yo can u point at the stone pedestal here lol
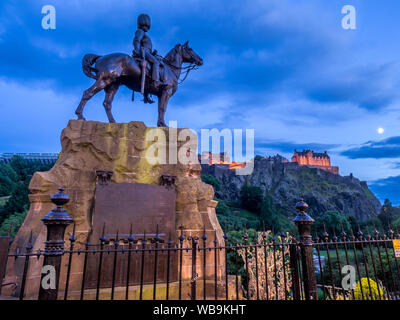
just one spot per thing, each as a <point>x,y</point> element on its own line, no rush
<point>89,146</point>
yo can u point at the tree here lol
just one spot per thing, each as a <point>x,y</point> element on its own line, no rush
<point>14,181</point>
<point>8,178</point>
<point>269,214</point>
<point>388,214</point>
<point>209,179</point>
<point>332,220</point>
<point>18,202</point>
<point>14,221</point>
<point>251,198</point>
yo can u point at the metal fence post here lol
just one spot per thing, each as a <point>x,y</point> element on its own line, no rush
<point>194,272</point>
<point>294,270</point>
<point>56,221</point>
<point>303,222</point>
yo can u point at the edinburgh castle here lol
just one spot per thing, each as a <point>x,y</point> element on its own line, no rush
<point>315,160</point>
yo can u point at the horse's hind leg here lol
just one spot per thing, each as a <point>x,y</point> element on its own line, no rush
<point>110,90</point>
<point>89,93</point>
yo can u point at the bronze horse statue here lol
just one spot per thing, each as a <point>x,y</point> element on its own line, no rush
<point>112,70</point>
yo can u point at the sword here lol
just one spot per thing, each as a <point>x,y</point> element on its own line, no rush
<point>144,65</point>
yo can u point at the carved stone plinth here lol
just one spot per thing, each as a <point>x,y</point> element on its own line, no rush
<point>95,152</point>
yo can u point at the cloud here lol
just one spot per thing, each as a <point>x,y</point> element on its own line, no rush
<point>286,69</point>
<point>289,147</point>
<point>368,86</point>
<point>387,148</point>
<point>388,188</point>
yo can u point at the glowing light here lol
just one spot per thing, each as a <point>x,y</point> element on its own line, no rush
<point>380,130</point>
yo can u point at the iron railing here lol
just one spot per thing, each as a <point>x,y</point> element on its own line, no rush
<point>202,266</point>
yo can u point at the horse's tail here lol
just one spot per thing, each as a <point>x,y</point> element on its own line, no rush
<point>87,62</point>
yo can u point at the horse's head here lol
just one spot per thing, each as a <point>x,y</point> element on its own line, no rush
<point>189,56</point>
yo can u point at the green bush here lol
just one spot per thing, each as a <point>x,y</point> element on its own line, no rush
<point>14,181</point>
<point>333,220</point>
<point>209,179</point>
<point>8,179</point>
<point>251,198</point>
<point>14,221</point>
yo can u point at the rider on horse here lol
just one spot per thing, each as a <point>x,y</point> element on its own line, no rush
<point>143,50</point>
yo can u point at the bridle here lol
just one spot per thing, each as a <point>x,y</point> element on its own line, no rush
<point>190,67</point>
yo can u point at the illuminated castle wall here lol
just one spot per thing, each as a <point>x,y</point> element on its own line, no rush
<point>314,159</point>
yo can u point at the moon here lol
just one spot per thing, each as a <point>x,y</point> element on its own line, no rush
<point>380,130</point>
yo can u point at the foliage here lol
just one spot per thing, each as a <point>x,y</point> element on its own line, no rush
<point>396,224</point>
<point>209,179</point>
<point>14,181</point>
<point>332,220</point>
<point>276,282</point>
<point>388,214</point>
<point>369,262</point>
<point>234,262</point>
<point>270,213</point>
<point>251,198</point>
<point>258,157</point>
<point>8,178</point>
<point>236,218</point>
<point>18,202</point>
<point>368,289</point>
<point>14,221</point>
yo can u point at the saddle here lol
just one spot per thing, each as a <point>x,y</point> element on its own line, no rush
<point>149,67</point>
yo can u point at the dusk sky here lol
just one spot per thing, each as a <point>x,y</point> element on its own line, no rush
<point>285,68</point>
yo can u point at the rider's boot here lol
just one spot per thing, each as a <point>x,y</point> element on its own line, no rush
<point>147,99</point>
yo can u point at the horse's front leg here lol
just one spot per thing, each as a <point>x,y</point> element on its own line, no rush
<point>162,107</point>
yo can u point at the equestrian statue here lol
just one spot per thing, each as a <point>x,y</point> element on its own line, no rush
<point>145,71</point>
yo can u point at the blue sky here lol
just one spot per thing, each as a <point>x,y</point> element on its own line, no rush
<point>285,68</point>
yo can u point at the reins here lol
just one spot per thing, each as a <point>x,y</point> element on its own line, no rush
<point>188,68</point>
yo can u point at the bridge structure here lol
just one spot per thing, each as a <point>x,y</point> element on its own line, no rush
<point>44,158</point>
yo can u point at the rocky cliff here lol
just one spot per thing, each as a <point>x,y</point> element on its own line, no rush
<point>287,182</point>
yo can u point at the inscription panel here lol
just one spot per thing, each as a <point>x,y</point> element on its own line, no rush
<point>144,206</point>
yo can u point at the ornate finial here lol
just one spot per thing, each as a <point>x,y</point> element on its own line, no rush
<point>301,206</point>
<point>60,198</point>
<point>58,214</point>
